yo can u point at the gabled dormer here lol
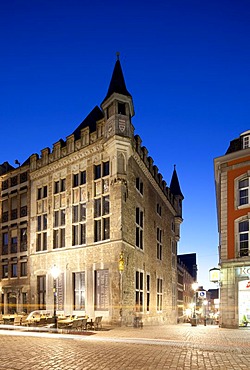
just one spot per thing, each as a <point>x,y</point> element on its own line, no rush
<point>118,105</point>
<point>242,142</point>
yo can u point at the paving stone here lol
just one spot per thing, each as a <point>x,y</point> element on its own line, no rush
<point>161,347</point>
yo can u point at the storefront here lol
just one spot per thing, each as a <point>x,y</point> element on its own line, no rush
<point>243,275</point>
<point>244,302</point>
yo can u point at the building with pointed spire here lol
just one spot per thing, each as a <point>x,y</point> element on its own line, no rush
<point>100,211</point>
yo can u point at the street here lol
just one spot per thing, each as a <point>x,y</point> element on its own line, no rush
<point>158,347</point>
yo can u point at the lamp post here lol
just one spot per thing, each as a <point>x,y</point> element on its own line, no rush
<point>205,302</point>
<point>55,272</point>
<point>194,321</point>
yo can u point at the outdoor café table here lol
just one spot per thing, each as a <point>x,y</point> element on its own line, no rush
<point>8,319</point>
<point>90,323</point>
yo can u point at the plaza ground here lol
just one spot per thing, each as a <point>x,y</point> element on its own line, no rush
<point>156,347</point>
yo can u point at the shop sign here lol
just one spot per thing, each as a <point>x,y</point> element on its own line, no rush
<point>202,294</point>
<point>245,270</point>
<point>214,275</point>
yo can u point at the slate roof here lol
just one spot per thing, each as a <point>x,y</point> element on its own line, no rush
<point>234,146</point>
<point>174,185</point>
<point>5,167</point>
<point>117,83</point>
<point>90,121</point>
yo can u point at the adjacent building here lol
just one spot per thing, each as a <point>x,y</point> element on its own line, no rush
<point>99,210</point>
<point>14,211</point>
<point>232,172</point>
<point>187,275</point>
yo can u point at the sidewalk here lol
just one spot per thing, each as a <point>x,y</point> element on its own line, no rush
<point>210,337</point>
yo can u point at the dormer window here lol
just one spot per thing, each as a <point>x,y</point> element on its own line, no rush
<point>246,142</point>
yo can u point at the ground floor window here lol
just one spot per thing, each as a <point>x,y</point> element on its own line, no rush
<point>159,294</point>
<point>244,302</point>
<point>41,292</point>
<point>79,290</point>
<point>139,291</point>
<point>101,290</point>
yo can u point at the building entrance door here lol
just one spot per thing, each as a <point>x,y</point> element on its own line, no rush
<point>12,303</point>
<point>244,302</point>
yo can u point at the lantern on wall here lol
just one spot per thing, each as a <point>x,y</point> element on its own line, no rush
<point>121,263</point>
<point>214,275</point>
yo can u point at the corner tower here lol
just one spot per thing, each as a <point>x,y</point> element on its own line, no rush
<point>118,106</point>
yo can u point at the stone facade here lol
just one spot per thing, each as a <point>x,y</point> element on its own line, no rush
<point>101,212</point>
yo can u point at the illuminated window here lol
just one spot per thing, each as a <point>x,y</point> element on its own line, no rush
<point>79,290</point>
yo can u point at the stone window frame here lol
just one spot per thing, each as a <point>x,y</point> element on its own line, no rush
<point>102,206</point>
<point>139,290</point>
<point>139,228</point>
<point>79,202</point>
<point>159,293</point>
<point>59,228</point>
<point>238,233</point>
<point>237,189</point>
<point>139,185</point>
<point>148,291</point>
<point>79,224</point>
<point>41,232</point>
<point>159,248</point>
<point>245,141</point>
<point>80,290</point>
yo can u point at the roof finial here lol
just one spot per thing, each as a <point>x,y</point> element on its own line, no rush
<point>174,166</point>
<point>117,55</point>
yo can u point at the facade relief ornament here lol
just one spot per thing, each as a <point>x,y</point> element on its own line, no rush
<point>122,125</point>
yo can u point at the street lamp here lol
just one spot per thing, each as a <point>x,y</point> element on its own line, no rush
<point>55,272</point>
<point>205,302</point>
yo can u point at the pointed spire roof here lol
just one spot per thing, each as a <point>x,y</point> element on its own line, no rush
<point>117,83</point>
<point>174,185</point>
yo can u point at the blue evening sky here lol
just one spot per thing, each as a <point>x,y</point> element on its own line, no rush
<point>185,62</point>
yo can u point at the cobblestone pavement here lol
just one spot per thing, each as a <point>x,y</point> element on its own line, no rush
<point>159,347</point>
